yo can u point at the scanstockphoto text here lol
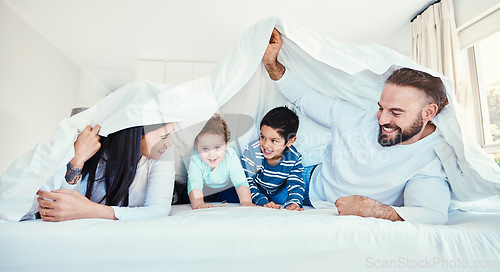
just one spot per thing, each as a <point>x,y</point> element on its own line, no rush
<point>431,263</point>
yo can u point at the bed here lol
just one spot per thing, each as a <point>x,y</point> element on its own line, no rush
<point>233,238</point>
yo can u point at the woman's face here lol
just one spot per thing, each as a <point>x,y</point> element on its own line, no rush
<point>155,142</point>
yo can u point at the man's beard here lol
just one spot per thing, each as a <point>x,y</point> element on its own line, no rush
<point>413,130</point>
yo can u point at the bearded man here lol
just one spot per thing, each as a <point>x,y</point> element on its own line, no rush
<point>380,163</point>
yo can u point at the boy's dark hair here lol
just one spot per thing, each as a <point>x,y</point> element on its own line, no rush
<point>284,120</point>
<point>433,87</point>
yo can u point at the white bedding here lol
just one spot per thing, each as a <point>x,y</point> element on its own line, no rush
<point>234,238</point>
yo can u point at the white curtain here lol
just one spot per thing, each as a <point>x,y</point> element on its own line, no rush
<point>435,43</point>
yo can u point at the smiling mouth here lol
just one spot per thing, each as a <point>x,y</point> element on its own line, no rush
<point>161,151</point>
<point>389,130</point>
<point>267,152</point>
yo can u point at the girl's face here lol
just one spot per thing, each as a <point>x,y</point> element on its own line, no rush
<point>211,148</point>
<point>155,142</point>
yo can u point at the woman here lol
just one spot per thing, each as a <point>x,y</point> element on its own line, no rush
<point>119,176</point>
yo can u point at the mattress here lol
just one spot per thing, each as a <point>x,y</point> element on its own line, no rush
<point>234,238</point>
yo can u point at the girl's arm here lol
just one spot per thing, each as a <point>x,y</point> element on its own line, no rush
<point>196,199</point>
<point>238,178</point>
<point>244,196</point>
<point>195,183</point>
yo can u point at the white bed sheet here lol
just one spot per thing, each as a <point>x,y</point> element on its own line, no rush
<point>234,238</point>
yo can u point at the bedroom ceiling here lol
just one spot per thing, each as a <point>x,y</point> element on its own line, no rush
<point>105,37</point>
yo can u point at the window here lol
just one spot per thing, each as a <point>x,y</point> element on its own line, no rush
<point>487,57</point>
<point>484,63</point>
<point>483,57</point>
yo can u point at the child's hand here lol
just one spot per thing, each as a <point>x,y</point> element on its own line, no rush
<point>294,207</point>
<point>247,203</point>
<point>272,205</point>
<point>204,206</point>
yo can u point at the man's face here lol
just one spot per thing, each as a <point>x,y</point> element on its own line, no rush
<point>400,115</point>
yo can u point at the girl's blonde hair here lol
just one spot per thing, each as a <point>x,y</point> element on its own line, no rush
<point>216,126</point>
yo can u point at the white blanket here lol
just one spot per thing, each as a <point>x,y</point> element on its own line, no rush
<point>234,238</point>
<point>355,73</point>
<point>240,85</point>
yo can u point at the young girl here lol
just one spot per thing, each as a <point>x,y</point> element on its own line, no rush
<point>213,164</point>
<point>119,176</point>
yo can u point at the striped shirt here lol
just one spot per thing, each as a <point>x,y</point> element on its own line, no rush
<point>265,180</point>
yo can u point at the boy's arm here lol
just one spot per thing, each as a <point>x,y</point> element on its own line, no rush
<point>248,161</point>
<point>295,185</point>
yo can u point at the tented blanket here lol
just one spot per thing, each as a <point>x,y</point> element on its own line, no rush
<point>239,85</point>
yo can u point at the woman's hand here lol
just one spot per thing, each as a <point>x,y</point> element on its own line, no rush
<point>86,145</point>
<point>64,204</point>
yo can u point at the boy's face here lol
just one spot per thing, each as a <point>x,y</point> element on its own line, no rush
<point>272,143</point>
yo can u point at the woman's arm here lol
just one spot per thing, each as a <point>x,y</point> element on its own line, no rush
<point>159,192</point>
<point>86,145</point>
<point>65,204</point>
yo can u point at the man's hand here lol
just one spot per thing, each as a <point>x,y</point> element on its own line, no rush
<point>365,207</point>
<point>294,207</point>
<point>270,59</point>
<point>272,205</point>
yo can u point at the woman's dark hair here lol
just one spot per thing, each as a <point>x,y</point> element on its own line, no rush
<point>284,120</point>
<point>119,154</point>
<point>216,126</point>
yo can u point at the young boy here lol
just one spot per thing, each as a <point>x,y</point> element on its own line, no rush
<point>273,166</point>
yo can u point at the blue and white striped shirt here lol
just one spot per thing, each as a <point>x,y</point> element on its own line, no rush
<point>265,180</point>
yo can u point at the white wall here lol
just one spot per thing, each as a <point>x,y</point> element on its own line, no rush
<point>38,87</point>
<point>467,11</point>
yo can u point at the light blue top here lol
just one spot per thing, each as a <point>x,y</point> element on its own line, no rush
<point>229,169</point>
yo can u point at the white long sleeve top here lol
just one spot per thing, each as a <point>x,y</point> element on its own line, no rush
<point>410,178</point>
<point>150,194</point>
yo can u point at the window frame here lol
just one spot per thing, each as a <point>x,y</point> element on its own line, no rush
<point>478,94</point>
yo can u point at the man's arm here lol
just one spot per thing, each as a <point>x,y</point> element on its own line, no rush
<point>275,69</point>
<point>426,201</point>
<point>314,105</point>
<point>365,207</point>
